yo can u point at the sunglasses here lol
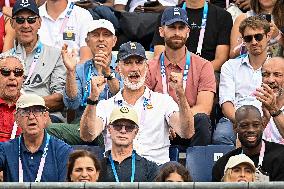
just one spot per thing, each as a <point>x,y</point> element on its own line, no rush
<point>128,128</point>
<point>30,19</point>
<point>7,72</point>
<point>258,37</point>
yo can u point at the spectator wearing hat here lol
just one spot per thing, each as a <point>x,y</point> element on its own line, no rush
<point>122,163</point>
<point>35,156</point>
<point>239,168</point>
<point>11,79</point>
<point>45,72</point>
<point>63,22</point>
<point>156,111</point>
<point>197,73</point>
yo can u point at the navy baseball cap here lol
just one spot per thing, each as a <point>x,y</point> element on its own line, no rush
<point>25,5</point>
<point>130,49</point>
<point>174,14</point>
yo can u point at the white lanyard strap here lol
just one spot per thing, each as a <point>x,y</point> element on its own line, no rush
<point>164,76</point>
<point>7,3</point>
<point>202,30</point>
<point>227,3</point>
<point>41,164</point>
<point>14,131</point>
<point>34,63</point>
<point>66,18</point>
<point>261,154</point>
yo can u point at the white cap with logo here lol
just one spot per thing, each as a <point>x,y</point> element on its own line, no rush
<point>124,113</point>
<point>101,23</point>
<point>28,100</point>
<point>238,159</point>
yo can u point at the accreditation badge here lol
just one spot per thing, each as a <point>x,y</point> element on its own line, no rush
<point>261,176</point>
<point>69,35</point>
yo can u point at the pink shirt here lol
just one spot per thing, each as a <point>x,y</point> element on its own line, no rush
<point>200,77</point>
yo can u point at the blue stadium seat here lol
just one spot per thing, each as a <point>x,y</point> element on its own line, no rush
<point>174,153</point>
<point>200,160</point>
<point>97,150</point>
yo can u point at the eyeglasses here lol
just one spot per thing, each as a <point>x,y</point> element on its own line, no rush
<point>30,19</point>
<point>7,72</point>
<point>37,111</point>
<point>131,62</point>
<point>128,128</point>
<point>258,37</point>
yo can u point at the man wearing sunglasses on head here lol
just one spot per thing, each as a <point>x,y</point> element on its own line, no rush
<point>241,77</point>
<point>35,156</point>
<point>11,80</point>
<point>45,72</point>
<point>122,163</point>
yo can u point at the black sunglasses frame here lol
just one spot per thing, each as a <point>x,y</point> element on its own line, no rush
<point>6,72</point>
<point>30,19</point>
<point>258,37</point>
<point>128,128</point>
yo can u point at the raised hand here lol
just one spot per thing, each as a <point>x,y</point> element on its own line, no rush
<point>175,81</point>
<point>97,86</point>
<point>102,59</point>
<point>69,59</point>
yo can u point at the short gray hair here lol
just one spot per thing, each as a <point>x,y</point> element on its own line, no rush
<point>11,54</point>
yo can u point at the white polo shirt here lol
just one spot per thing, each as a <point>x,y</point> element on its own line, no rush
<point>152,140</point>
<point>74,32</point>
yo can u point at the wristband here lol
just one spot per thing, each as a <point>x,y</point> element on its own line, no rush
<point>91,102</point>
<point>277,113</point>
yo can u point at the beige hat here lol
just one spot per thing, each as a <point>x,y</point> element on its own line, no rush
<point>28,100</point>
<point>101,23</point>
<point>124,113</point>
<point>238,159</point>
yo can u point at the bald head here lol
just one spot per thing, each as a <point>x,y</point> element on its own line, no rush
<point>246,110</point>
<point>273,74</point>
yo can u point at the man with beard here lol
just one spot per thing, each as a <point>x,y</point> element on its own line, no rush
<point>241,76</point>
<point>198,75</point>
<point>156,111</point>
<point>268,157</point>
<point>272,99</point>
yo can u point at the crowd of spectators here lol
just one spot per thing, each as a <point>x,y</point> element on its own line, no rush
<point>71,74</point>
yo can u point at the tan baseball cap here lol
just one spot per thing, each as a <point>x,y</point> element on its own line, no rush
<point>238,159</point>
<point>28,100</point>
<point>124,113</point>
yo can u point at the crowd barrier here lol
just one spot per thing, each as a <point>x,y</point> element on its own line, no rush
<point>153,185</point>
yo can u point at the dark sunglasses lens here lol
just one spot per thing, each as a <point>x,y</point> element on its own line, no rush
<point>20,20</point>
<point>18,72</point>
<point>117,127</point>
<point>258,37</point>
<point>248,38</point>
<point>129,128</point>
<point>5,72</point>
<point>31,20</point>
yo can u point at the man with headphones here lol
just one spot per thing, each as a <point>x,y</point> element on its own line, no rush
<point>197,73</point>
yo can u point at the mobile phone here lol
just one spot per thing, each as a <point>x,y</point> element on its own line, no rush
<point>151,3</point>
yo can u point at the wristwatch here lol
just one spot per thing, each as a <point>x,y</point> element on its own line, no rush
<point>110,76</point>
<point>91,102</point>
<point>277,113</point>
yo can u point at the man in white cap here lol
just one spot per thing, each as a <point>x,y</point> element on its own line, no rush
<point>239,168</point>
<point>35,156</point>
<point>122,163</point>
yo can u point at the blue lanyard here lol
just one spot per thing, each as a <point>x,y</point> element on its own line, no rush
<point>132,166</point>
<point>87,88</point>
<point>205,13</point>
<point>163,71</point>
<point>41,164</point>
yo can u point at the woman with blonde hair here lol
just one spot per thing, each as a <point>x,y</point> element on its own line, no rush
<point>239,168</point>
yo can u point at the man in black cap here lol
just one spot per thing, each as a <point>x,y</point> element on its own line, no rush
<point>156,111</point>
<point>44,69</point>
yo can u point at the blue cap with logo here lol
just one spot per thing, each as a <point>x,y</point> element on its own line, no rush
<point>174,14</point>
<point>130,49</point>
<point>25,5</point>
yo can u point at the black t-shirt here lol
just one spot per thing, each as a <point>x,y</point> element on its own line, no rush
<point>273,162</point>
<point>222,3</point>
<point>217,32</point>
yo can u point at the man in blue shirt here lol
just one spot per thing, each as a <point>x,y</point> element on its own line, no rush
<point>35,156</point>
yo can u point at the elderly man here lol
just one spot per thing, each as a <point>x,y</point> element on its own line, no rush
<point>241,76</point>
<point>198,74</point>
<point>270,94</point>
<point>44,69</point>
<point>35,156</point>
<point>267,156</point>
<point>122,163</point>
<point>11,79</point>
<point>156,111</point>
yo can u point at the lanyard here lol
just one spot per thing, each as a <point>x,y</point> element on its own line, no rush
<point>203,26</point>
<point>35,61</point>
<point>66,18</point>
<point>227,3</point>
<point>41,164</point>
<point>163,72</point>
<point>7,3</point>
<point>14,131</point>
<point>87,88</point>
<point>132,166</point>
